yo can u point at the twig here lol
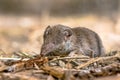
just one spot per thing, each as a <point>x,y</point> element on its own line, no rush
<point>93,60</point>
<point>26,55</point>
<point>28,64</point>
<point>56,72</point>
<point>5,59</point>
<point>82,58</point>
<point>103,71</point>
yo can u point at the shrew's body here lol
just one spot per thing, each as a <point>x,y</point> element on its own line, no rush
<point>62,40</point>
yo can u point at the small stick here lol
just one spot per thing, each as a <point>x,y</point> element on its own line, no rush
<point>93,60</point>
<point>26,55</point>
<point>56,72</point>
<point>82,58</point>
<point>13,59</point>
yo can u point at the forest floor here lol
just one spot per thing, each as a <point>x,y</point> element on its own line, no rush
<point>24,42</point>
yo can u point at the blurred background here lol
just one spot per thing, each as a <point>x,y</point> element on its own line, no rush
<point>22,22</point>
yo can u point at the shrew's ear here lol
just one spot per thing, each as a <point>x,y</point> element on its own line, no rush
<point>68,33</point>
<point>47,30</point>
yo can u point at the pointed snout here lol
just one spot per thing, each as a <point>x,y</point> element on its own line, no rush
<point>46,49</point>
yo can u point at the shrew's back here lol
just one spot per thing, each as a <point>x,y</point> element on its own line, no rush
<point>89,41</point>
